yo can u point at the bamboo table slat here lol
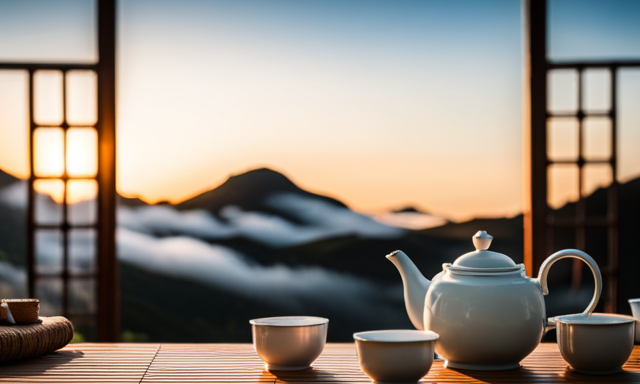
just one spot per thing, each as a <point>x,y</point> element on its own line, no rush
<point>238,363</point>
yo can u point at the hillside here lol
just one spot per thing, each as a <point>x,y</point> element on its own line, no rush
<point>6,179</point>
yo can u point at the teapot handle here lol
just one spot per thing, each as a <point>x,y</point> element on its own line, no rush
<point>544,271</point>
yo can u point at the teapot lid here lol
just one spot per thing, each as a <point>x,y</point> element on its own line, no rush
<point>481,257</point>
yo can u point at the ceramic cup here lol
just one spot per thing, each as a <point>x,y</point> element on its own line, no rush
<point>21,311</point>
<point>635,310</point>
<point>289,343</point>
<point>395,356</point>
<point>599,343</point>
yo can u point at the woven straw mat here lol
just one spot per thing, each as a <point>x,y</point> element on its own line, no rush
<point>31,340</point>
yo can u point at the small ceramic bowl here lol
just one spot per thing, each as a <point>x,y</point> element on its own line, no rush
<point>599,343</point>
<point>395,356</point>
<point>635,311</point>
<point>24,311</point>
<point>289,343</point>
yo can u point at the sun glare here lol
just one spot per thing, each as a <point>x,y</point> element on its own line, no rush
<point>81,152</point>
<point>81,161</point>
<point>81,190</point>
<point>48,145</point>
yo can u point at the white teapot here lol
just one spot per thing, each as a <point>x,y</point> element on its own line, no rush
<point>488,313</point>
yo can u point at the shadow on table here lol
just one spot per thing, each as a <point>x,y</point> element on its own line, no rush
<point>311,374</point>
<point>621,377</point>
<point>37,365</point>
<point>513,375</point>
<point>526,375</point>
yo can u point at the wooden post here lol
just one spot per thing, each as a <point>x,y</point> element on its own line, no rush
<point>534,115</point>
<point>108,322</point>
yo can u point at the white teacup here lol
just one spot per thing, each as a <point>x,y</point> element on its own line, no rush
<point>599,343</point>
<point>289,343</point>
<point>635,310</point>
<point>395,356</point>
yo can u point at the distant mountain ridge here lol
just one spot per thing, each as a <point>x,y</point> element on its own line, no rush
<point>6,179</point>
<point>249,191</point>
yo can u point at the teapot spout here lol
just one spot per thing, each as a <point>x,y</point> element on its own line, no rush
<point>415,287</point>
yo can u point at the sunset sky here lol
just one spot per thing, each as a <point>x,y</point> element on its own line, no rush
<point>381,104</point>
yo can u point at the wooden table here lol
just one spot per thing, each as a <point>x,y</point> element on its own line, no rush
<point>238,363</point>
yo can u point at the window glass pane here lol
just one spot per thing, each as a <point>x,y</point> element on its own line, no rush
<point>47,98</point>
<point>48,249</point>
<point>48,210</point>
<point>563,90</point>
<point>595,176</point>
<point>597,246</point>
<point>49,291</point>
<point>628,124</point>
<point>81,197</point>
<point>82,152</point>
<point>48,146</point>
<point>563,238</point>
<point>597,138</point>
<point>82,296</point>
<point>82,250</point>
<point>82,98</point>
<point>562,185</point>
<point>562,139</point>
<point>596,95</point>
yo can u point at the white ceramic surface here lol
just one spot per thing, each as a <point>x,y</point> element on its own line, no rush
<point>395,356</point>
<point>488,313</point>
<point>599,343</point>
<point>635,310</point>
<point>289,343</point>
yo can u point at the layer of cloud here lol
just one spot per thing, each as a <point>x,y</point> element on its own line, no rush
<point>166,241</point>
<point>330,218</point>
<point>14,195</point>
<point>166,221</point>
<point>410,220</point>
<point>213,265</point>
<point>320,220</point>
<point>226,269</point>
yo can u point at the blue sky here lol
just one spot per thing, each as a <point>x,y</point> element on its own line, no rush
<point>593,29</point>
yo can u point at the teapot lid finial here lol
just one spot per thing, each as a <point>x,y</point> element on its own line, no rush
<point>482,240</point>
<point>482,258</point>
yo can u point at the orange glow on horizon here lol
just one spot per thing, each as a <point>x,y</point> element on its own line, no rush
<point>77,190</point>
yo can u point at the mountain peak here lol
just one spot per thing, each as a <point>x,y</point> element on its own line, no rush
<point>263,178</point>
<point>248,191</point>
<point>408,209</point>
